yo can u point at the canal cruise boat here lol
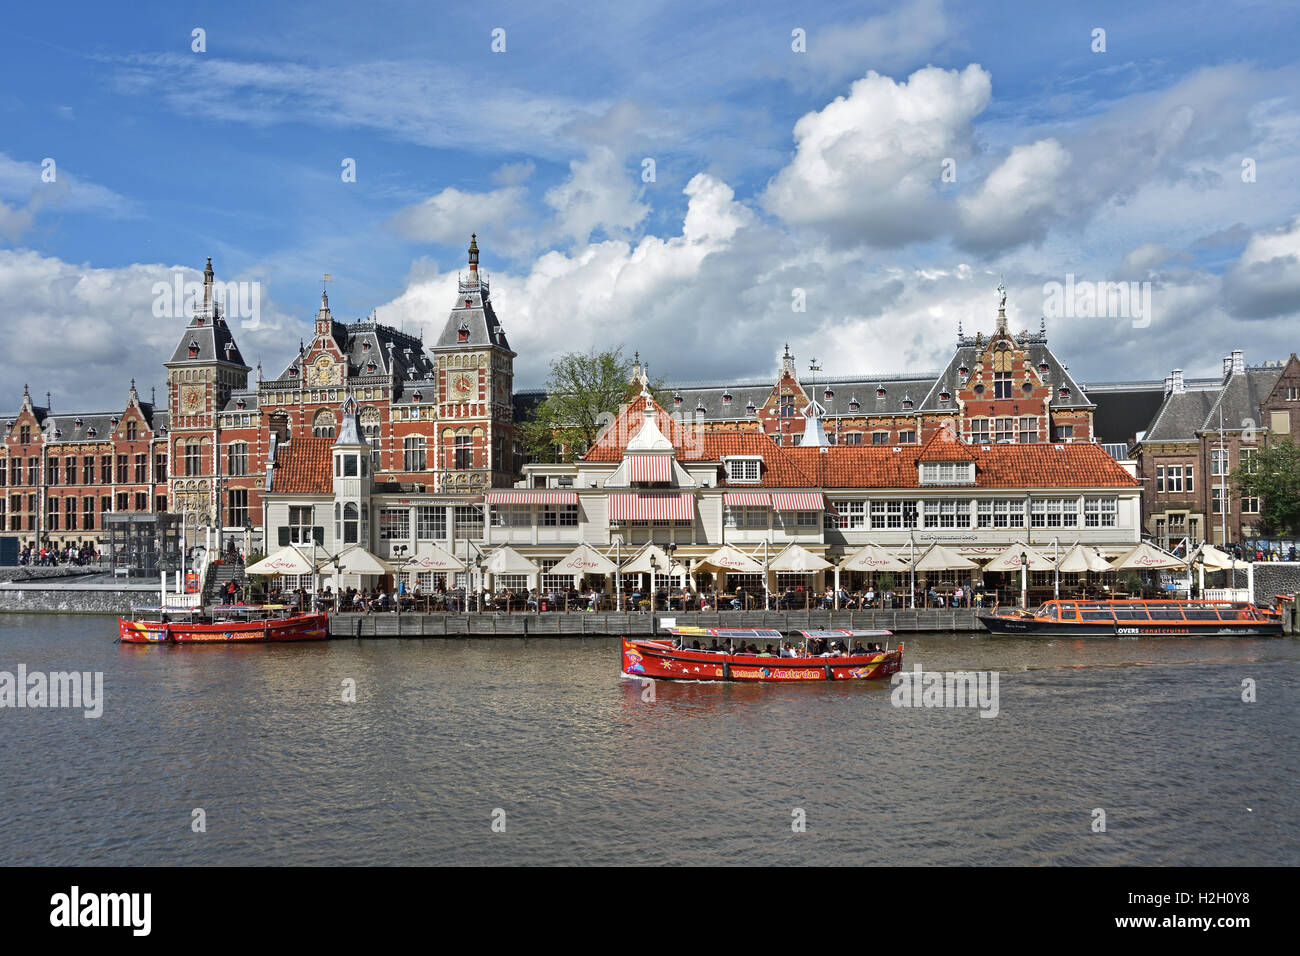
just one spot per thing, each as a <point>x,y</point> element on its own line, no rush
<point>227,624</point>
<point>676,659</point>
<point>1064,618</point>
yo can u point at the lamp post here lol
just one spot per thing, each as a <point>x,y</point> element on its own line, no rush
<point>654,563</point>
<point>911,560</point>
<point>1056,562</point>
<point>671,549</point>
<point>1024,580</point>
<point>400,550</point>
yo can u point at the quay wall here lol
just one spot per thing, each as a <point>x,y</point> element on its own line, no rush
<point>38,598</point>
<point>1273,578</point>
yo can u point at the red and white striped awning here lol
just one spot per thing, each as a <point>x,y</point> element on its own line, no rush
<point>747,499</point>
<point>532,497</point>
<point>798,501</point>
<point>651,507</point>
<point>649,468</point>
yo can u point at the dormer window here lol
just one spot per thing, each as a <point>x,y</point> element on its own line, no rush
<point>742,470</point>
<point>944,396</point>
<point>115,420</point>
<point>751,408</point>
<point>240,404</point>
<point>194,349</point>
<point>462,334</point>
<point>726,398</point>
<point>293,373</point>
<point>58,433</point>
<point>371,366</point>
<point>700,409</point>
<point>907,403</point>
<point>1064,392</point>
<point>880,391</point>
<point>365,346</point>
<point>947,473</point>
<point>854,404</point>
<point>1044,368</point>
<point>469,303</point>
<point>963,370</point>
<point>828,394</point>
<point>677,399</point>
<point>199,320</point>
<point>90,432</point>
<point>78,423</point>
<point>418,396</point>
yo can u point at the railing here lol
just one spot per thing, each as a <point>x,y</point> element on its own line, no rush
<point>1226,594</point>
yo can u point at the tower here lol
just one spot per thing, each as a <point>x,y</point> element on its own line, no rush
<point>475,379</point>
<point>352,479</point>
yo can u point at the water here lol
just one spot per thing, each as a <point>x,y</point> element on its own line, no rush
<point>444,732</point>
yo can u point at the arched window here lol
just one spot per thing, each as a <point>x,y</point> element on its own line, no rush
<point>464,451</point>
<point>323,424</point>
<point>370,423</point>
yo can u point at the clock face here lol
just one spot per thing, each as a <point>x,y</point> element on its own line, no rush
<point>462,385</point>
<point>192,398</point>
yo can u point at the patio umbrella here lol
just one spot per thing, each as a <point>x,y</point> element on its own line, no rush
<point>506,560</point>
<point>288,560</point>
<point>584,559</point>
<point>640,562</point>
<point>872,557</point>
<point>1009,559</point>
<point>727,558</point>
<point>356,560</point>
<point>1147,557</point>
<point>798,560</point>
<point>1215,559</point>
<point>939,558</point>
<point>1080,559</point>
<point>430,557</point>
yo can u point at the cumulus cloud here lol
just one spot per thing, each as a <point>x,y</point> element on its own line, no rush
<point>1265,281</point>
<point>1017,201</point>
<point>600,195</point>
<point>27,191</point>
<point>451,215</point>
<point>867,166</point>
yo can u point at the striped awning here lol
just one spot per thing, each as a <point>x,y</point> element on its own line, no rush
<point>747,499</point>
<point>649,468</point>
<point>530,496</point>
<point>798,501</point>
<point>651,507</point>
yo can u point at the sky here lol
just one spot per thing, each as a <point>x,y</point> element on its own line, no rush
<point>701,183</point>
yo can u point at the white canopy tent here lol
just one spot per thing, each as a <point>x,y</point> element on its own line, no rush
<point>584,559</point>
<point>872,557</point>
<point>1080,559</point>
<point>796,559</point>
<point>288,560</point>
<point>506,560</point>
<point>1009,559</point>
<point>1147,557</point>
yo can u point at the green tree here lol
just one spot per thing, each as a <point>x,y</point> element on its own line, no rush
<point>1273,476</point>
<point>582,389</point>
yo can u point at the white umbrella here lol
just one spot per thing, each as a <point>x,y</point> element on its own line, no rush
<point>1080,559</point>
<point>1214,559</point>
<point>584,559</point>
<point>939,558</point>
<point>640,562</point>
<point>356,560</point>
<point>1147,557</point>
<point>431,557</point>
<point>506,560</point>
<point>798,560</point>
<point>727,558</point>
<point>1009,559</point>
<point>288,560</point>
<point>872,557</point>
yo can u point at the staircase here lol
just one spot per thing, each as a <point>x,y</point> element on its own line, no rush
<point>218,576</point>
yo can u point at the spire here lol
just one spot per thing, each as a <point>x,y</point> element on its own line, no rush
<point>350,431</point>
<point>134,395</point>
<point>473,252</point>
<point>1002,306</point>
<point>207,285</point>
<point>787,362</point>
<point>814,432</point>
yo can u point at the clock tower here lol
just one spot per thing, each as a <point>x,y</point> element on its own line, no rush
<point>205,368</point>
<point>475,376</point>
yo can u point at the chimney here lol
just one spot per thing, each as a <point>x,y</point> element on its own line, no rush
<point>1227,365</point>
<point>1238,360</point>
<point>1176,382</point>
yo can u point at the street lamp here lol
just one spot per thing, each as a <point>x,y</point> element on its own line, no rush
<point>671,549</point>
<point>403,560</point>
<point>654,564</point>
<point>1024,580</point>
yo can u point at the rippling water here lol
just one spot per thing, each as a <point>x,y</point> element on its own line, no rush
<point>444,732</point>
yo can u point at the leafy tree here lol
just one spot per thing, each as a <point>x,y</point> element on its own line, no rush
<point>1273,476</point>
<point>582,389</point>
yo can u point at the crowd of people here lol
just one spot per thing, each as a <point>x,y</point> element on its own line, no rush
<point>53,557</point>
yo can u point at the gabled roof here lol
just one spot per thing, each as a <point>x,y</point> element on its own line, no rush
<point>945,445</point>
<point>1057,375</point>
<point>1240,399</point>
<point>302,467</point>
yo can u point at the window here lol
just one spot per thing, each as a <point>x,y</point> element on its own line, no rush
<point>160,467</point>
<point>979,431</point>
<point>468,522</point>
<point>1100,512</point>
<point>141,501</point>
<point>1029,430</point>
<point>52,514</point>
<point>1218,462</point>
<point>24,434</point>
<point>880,438</point>
<point>743,517</point>
<point>1054,513</point>
<point>1063,432</point>
<point>160,503</point>
<point>70,469</point>
<point>33,470</point>
<point>464,454</point>
<point>907,437</point>
<point>852,515</point>
<point>323,424</point>
<point>88,513</point>
<point>300,525</point>
<point>430,522</point>
<point>948,473</point>
<point>4,465</point>
<point>787,405</point>
<point>562,516</point>
<point>106,470</point>
<point>1002,429</point>
<point>853,438</point>
<point>237,507</point>
<point>394,524</point>
<point>88,470</point>
<point>237,459</point>
<point>1000,513</point>
<point>413,453</point>
<point>1292,393</point>
<point>123,470</point>
<point>1248,463</point>
<point>130,431</point>
<point>742,469</point>
<point>947,514</point>
<point>1174,479</point>
<point>1250,506</point>
<point>52,471</point>
<point>141,469</point>
<point>512,516</point>
<point>193,459</point>
<point>1001,384</point>
<point>70,513</point>
<point>1217,500</point>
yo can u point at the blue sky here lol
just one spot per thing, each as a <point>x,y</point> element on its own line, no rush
<point>775,170</point>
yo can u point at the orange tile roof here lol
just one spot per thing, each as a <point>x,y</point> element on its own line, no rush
<point>945,445</point>
<point>302,467</point>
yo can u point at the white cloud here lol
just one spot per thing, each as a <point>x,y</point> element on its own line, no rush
<point>1016,200</point>
<point>1265,281</point>
<point>23,184</point>
<point>867,166</point>
<point>451,215</point>
<point>599,195</point>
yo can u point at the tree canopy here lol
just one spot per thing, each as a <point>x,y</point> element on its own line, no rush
<point>1272,475</point>
<point>582,389</point>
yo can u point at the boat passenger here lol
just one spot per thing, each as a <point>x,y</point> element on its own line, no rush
<point>858,648</point>
<point>787,651</point>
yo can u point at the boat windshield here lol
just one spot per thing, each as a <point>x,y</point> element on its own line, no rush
<point>1047,611</point>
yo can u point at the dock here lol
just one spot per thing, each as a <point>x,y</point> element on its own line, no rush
<point>614,624</point>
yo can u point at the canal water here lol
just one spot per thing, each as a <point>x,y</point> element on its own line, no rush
<point>507,751</point>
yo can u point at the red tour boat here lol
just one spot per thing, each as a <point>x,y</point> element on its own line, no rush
<point>675,659</point>
<point>229,624</point>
